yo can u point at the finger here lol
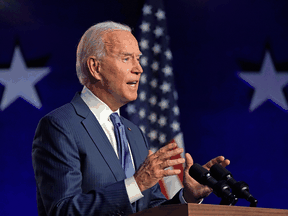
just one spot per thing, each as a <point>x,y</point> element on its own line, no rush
<point>225,163</point>
<point>174,162</point>
<point>189,161</point>
<point>166,148</point>
<point>218,159</point>
<point>167,155</point>
<point>170,172</point>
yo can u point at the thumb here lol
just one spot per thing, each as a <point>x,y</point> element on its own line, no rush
<point>188,161</point>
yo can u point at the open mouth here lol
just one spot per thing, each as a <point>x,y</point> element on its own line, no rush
<point>133,83</point>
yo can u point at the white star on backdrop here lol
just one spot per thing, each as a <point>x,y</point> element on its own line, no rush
<point>268,84</point>
<point>20,81</point>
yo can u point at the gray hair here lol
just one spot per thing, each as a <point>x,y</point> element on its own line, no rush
<point>91,43</point>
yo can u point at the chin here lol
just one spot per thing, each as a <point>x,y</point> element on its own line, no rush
<point>131,98</point>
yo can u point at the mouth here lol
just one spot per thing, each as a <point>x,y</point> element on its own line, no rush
<point>132,83</point>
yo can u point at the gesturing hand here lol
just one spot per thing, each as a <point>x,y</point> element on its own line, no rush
<point>193,191</point>
<point>152,170</point>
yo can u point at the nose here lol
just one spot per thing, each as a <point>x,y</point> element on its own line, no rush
<point>137,69</point>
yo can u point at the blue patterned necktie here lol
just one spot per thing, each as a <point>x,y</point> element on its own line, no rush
<point>122,145</point>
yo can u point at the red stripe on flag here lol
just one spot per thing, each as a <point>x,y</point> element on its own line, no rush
<point>163,188</point>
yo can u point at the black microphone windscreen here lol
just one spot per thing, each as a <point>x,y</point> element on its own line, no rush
<point>198,173</point>
<point>219,172</point>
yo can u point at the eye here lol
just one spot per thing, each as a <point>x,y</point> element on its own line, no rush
<point>126,59</point>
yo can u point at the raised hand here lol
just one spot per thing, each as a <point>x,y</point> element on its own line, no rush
<point>152,170</point>
<point>193,191</point>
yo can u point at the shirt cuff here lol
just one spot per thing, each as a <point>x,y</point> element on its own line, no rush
<point>132,189</point>
<point>183,201</point>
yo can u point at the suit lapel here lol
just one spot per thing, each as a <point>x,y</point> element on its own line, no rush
<point>99,137</point>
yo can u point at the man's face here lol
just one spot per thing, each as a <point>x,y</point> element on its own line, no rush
<point>120,69</point>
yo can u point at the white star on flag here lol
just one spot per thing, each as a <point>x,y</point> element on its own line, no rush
<point>147,9</point>
<point>152,117</point>
<point>168,54</point>
<point>143,78</point>
<point>142,96</point>
<point>144,44</point>
<point>162,121</point>
<point>167,70</point>
<point>165,87</point>
<point>153,100</point>
<point>142,127</point>
<point>152,135</point>
<point>144,61</point>
<point>155,66</point>
<point>145,27</point>
<point>164,104</point>
<point>130,109</point>
<point>156,48</point>
<point>158,32</point>
<point>268,84</point>
<point>142,113</point>
<point>160,14</point>
<point>20,81</point>
<point>162,138</point>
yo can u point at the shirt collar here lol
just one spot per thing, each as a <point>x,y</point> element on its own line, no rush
<point>100,110</point>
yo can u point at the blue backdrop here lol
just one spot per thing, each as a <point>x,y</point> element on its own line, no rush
<point>211,41</point>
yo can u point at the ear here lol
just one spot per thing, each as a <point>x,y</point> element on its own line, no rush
<point>94,67</point>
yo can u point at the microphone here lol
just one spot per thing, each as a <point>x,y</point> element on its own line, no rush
<point>220,188</point>
<point>240,188</point>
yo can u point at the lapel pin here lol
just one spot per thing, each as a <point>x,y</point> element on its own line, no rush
<point>129,128</point>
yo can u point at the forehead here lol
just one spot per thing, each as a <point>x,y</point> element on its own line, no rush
<point>120,41</point>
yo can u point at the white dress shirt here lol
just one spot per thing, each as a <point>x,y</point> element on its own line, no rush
<point>102,113</point>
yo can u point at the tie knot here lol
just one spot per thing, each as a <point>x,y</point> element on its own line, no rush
<point>116,119</point>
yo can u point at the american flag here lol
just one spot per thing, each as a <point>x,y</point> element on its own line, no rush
<point>156,111</point>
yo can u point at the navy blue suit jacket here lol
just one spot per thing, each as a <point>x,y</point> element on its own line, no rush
<point>76,169</point>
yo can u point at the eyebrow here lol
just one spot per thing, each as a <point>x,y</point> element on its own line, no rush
<point>129,54</point>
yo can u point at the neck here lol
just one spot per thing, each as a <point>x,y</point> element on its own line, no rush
<point>104,96</point>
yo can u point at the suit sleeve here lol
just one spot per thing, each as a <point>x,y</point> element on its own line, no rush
<point>57,167</point>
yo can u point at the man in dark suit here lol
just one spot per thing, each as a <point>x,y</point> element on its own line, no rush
<point>75,150</point>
